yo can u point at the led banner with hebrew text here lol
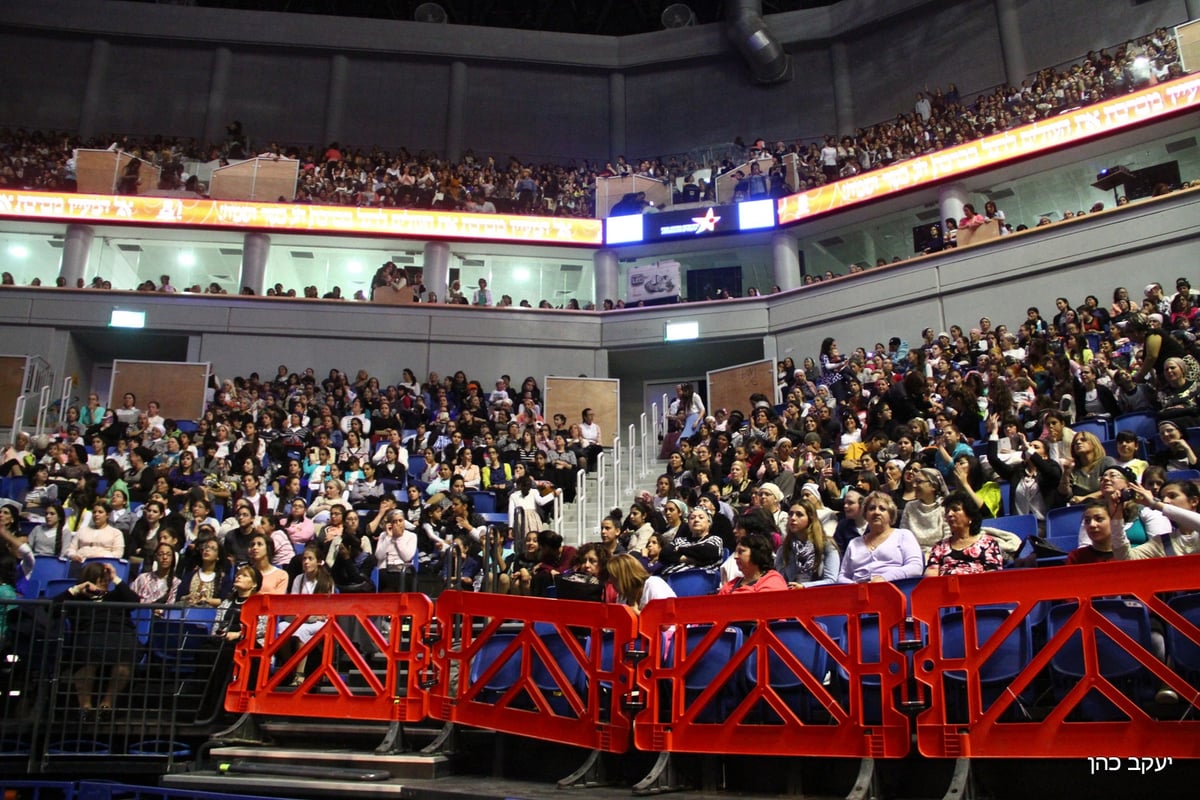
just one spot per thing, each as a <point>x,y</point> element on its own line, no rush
<point>1028,140</point>
<point>283,217</point>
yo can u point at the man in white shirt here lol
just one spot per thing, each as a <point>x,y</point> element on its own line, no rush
<point>590,432</point>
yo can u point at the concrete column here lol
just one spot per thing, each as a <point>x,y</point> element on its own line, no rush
<point>255,249</point>
<point>93,93</point>
<point>437,269</point>
<point>335,104</point>
<point>606,276</point>
<point>868,249</point>
<point>616,116</point>
<point>1012,50</point>
<point>456,112</point>
<point>218,91</point>
<point>951,198</point>
<point>785,260</point>
<point>843,88</point>
<point>77,247</point>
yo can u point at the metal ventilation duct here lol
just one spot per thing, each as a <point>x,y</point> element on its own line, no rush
<point>749,33</point>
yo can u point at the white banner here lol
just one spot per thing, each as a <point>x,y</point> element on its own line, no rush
<point>653,281</point>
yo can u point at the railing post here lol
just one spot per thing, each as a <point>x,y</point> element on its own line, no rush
<point>632,455</point>
<point>644,433</point>
<point>558,512</point>
<point>18,416</point>
<point>654,422</point>
<point>581,499</point>
<point>65,400</point>
<point>600,486</point>
<point>43,407</point>
<point>617,461</point>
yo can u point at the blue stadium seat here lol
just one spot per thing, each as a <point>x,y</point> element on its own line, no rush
<point>1143,423</point>
<point>49,568</point>
<point>1183,652</point>
<point>1098,427</point>
<point>484,502</point>
<point>997,672</point>
<point>705,668</point>
<point>1117,665</point>
<point>783,679</point>
<point>693,582</point>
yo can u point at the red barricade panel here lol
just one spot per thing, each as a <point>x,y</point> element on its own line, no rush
<point>549,669</point>
<point>353,656</point>
<point>788,673</point>
<point>1062,662</point>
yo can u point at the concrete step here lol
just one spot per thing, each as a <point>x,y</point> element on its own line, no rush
<point>398,765</point>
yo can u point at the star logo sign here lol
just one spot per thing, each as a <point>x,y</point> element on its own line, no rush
<point>707,223</point>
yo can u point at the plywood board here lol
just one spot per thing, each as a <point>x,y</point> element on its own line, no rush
<point>99,172</point>
<point>12,378</point>
<point>730,388</point>
<point>178,387</point>
<point>570,396</point>
<point>263,180</point>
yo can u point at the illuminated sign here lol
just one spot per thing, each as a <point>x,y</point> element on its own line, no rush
<point>691,223</point>
<point>756,214</point>
<point>127,319</point>
<point>1069,128</point>
<point>623,229</point>
<point>681,331</point>
<point>296,218</point>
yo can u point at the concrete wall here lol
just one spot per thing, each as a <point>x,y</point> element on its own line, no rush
<point>1131,247</point>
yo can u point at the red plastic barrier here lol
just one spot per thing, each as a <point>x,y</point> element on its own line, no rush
<point>365,662</point>
<point>788,673</point>
<point>998,695</point>
<point>549,669</point>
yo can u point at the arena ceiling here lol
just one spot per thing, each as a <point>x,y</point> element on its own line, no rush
<point>595,17</point>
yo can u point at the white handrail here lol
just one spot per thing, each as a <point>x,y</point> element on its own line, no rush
<point>558,511</point>
<point>43,407</point>
<point>65,400</point>
<point>18,418</point>
<point>632,455</point>
<point>581,499</point>
<point>643,431</point>
<point>600,485</point>
<point>618,460</point>
<point>654,421</point>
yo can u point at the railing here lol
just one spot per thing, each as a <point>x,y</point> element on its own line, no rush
<point>1060,662</point>
<point>581,505</point>
<point>362,658</point>
<point>551,670</point>
<point>646,437</point>
<point>617,461</point>
<point>42,408</point>
<point>790,674</point>
<point>601,485</point>
<point>84,680</point>
<point>631,456</point>
<point>18,418</point>
<point>1093,683</point>
<point>64,400</point>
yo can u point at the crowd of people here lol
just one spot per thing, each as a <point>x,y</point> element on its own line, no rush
<point>339,175</point>
<point>879,464</point>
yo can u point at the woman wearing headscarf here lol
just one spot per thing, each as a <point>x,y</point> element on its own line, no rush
<point>924,516</point>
